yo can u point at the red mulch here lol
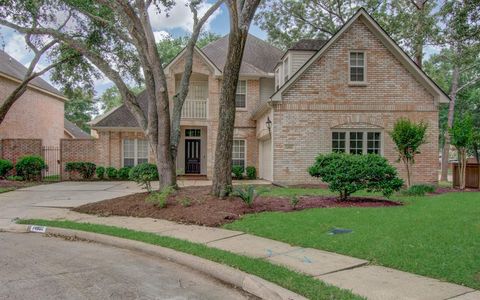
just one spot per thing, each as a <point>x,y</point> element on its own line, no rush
<point>212,211</point>
<point>15,184</point>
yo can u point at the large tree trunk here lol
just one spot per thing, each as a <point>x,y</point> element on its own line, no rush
<point>222,173</point>
<point>451,113</point>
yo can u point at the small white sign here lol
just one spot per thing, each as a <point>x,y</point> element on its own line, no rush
<point>39,229</point>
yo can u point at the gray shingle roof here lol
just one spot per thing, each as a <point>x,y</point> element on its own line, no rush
<point>259,57</point>
<point>120,116</point>
<point>13,68</point>
<point>308,44</point>
<point>75,131</point>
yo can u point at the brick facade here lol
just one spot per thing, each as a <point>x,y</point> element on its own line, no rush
<point>322,100</point>
<point>36,115</point>
<point>13,149</point>
<point>77,150</point>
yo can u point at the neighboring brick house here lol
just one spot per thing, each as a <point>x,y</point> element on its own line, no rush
<point>343,94</point>
<point>38,113</point>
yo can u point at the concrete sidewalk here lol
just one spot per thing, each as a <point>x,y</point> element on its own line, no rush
<point>373,282</point>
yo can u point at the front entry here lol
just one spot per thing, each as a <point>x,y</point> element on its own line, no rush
<point>192,156</point>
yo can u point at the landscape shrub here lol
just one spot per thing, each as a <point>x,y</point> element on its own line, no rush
<point>185,202</point>
<point>347,173</point>
<point>248,194</point>
<point>100,171</point>
<point>251,172</point>
<point>112,173</point>
<point>86,169</point>
<point>237,172</point>
<point>144,174</point>
<point>30,167</point>
<point>15,178</point>
<point>159,199</point>
<point>5,166</point>
<point>294,200</point>
<point>419,190</point>
<point>124,173</point>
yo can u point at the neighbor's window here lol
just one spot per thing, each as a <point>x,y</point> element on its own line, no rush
<point>357,142</point>
<point>135,151</point>
<point>240,97</point>
<point>238,153</point>
<point>357,67</point>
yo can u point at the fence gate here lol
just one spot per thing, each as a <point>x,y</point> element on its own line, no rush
<point>51,155</point>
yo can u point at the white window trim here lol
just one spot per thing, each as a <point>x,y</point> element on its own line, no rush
<point>287,59</point>
<point>246,97</point>
<point>135,152</point>
<point>245,152</point>
<point>364,139</point>
<point>359,83</point>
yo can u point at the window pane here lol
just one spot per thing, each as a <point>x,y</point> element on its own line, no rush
<point>356,142</point>
<point>238,153</point>
<point>357,66</point>
<point>128,162</point>
<point>142,160</point>
<point>142,149</point>
<point>128,148</point>
<point>373,142</point>
<point>242,87</point>
<point>240,100</point>
<point>338,141</point>
<point>193,132</point>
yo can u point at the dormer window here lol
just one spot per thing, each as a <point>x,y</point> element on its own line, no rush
<point>286,70</point>
<point>357,67</point>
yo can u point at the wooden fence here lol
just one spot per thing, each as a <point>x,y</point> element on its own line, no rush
<point>472,178</point>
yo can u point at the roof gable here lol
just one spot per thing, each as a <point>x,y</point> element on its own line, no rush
<point>13,69</point>
<point>198,51</point>
<point>387,41</point>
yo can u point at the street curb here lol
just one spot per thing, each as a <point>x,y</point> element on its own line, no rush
<point>249,283</point>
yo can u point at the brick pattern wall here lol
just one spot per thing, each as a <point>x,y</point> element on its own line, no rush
<point>13,149</point>
<point>85,150</point>
<point>322,100</point>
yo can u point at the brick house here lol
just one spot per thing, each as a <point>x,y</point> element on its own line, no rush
<point>343,94</point>
<point>38,113</point>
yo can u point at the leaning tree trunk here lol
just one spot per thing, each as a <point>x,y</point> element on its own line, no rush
<point>222,173</point>
<point>451,112</point>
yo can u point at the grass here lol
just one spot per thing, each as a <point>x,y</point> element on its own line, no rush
<point>51,178</point>
<point>6,189</point>
<point>299,283</point>
<point>436,236</point>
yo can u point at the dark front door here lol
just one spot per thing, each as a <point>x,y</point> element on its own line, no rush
<point>192,156</point>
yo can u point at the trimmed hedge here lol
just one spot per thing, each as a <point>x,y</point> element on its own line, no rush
<point>251,172</point>
<point>124,173</point>
<point>237,172</point>
<point>144,174</point>
<point>112,173</point>
<point>100,171</point>
<point>5,166</point>
<point>30,167</point>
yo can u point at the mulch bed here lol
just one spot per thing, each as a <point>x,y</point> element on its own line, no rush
<point>15,184</point>
<point>208,210</point>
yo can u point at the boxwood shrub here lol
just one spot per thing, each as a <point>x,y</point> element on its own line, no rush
<point>5,166</point>
<point>30,167</point>
<point>347,173</point>
<point>112,173</point>
<point>124,173</point>
<point>100,171</point>
<point>251,172</point>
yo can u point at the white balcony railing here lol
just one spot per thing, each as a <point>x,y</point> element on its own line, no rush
<point>194,109</point>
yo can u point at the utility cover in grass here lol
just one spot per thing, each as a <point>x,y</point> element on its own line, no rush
<point>339,231</point>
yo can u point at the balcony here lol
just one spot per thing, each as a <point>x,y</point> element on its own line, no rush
<point>195,109</point>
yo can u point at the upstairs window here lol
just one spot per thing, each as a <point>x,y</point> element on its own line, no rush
<point>286,70</point>
<point>241,95</point>
<point>357,67</point>
<point>277,79</point>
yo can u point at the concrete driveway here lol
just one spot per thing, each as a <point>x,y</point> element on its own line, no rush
<point>36,267</point>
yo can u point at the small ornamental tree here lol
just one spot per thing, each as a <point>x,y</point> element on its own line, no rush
<point>347,173</point>
<point>408,136</point>
<point>461,135</point>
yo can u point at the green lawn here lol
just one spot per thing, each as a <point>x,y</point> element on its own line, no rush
<point>299,283</point>
<point>436,236</point>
